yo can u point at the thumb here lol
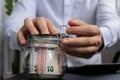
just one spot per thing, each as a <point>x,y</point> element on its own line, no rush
<point>76,22</point>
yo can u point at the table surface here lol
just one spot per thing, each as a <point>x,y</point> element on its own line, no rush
<point>76,76</point>
<point>108,72</point>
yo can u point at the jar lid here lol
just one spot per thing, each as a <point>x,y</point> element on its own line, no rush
<point>44,38</point>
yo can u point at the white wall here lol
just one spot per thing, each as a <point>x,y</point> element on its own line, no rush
<point>5,52</point>
<point>0,36</point>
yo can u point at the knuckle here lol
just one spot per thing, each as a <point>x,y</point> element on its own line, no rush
<point>98,42</point>
<point>91,52</point>
<point>26,20</point>
<point>40,18</point>
<point>95,29</point>
<point>41,21</point>
<point>95,49</point>
<point>88,56</point>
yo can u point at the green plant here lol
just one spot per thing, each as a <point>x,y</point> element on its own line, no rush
<point>9,6</point>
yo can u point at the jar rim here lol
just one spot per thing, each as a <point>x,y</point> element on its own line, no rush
<point>44,35</point>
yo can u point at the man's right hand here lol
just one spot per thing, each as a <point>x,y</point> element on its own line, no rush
<point>40,25</point>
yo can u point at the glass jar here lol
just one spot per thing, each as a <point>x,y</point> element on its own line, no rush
<point>44,58</point>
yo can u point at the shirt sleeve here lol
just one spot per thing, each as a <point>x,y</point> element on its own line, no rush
<point>108,21</point>
<point>23,9</point>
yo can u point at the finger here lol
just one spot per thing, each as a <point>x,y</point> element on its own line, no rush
<point>51,27</point>
<point>21,38</point>
<point>30,27</point>
<point>89,30</point>
<point>42,25</point>
<point>83,52</point>
<point>76,22</point>
<point>81,41</point>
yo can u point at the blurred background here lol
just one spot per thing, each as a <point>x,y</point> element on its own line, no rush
<point>7,56</point>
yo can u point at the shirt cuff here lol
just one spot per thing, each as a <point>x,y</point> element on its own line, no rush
<point>107,37</point>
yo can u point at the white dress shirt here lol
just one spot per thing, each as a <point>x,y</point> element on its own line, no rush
<point>97,12</point>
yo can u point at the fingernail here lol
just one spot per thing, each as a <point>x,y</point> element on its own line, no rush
<point>22,42</point>
<point>76,21</point>
<point>65,41</point>
<point>34,32</point>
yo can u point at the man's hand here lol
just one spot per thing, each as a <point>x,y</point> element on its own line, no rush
<point>40,25</point>
<point>88,41</point>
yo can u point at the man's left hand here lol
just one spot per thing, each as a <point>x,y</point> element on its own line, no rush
<point>87,42</point>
